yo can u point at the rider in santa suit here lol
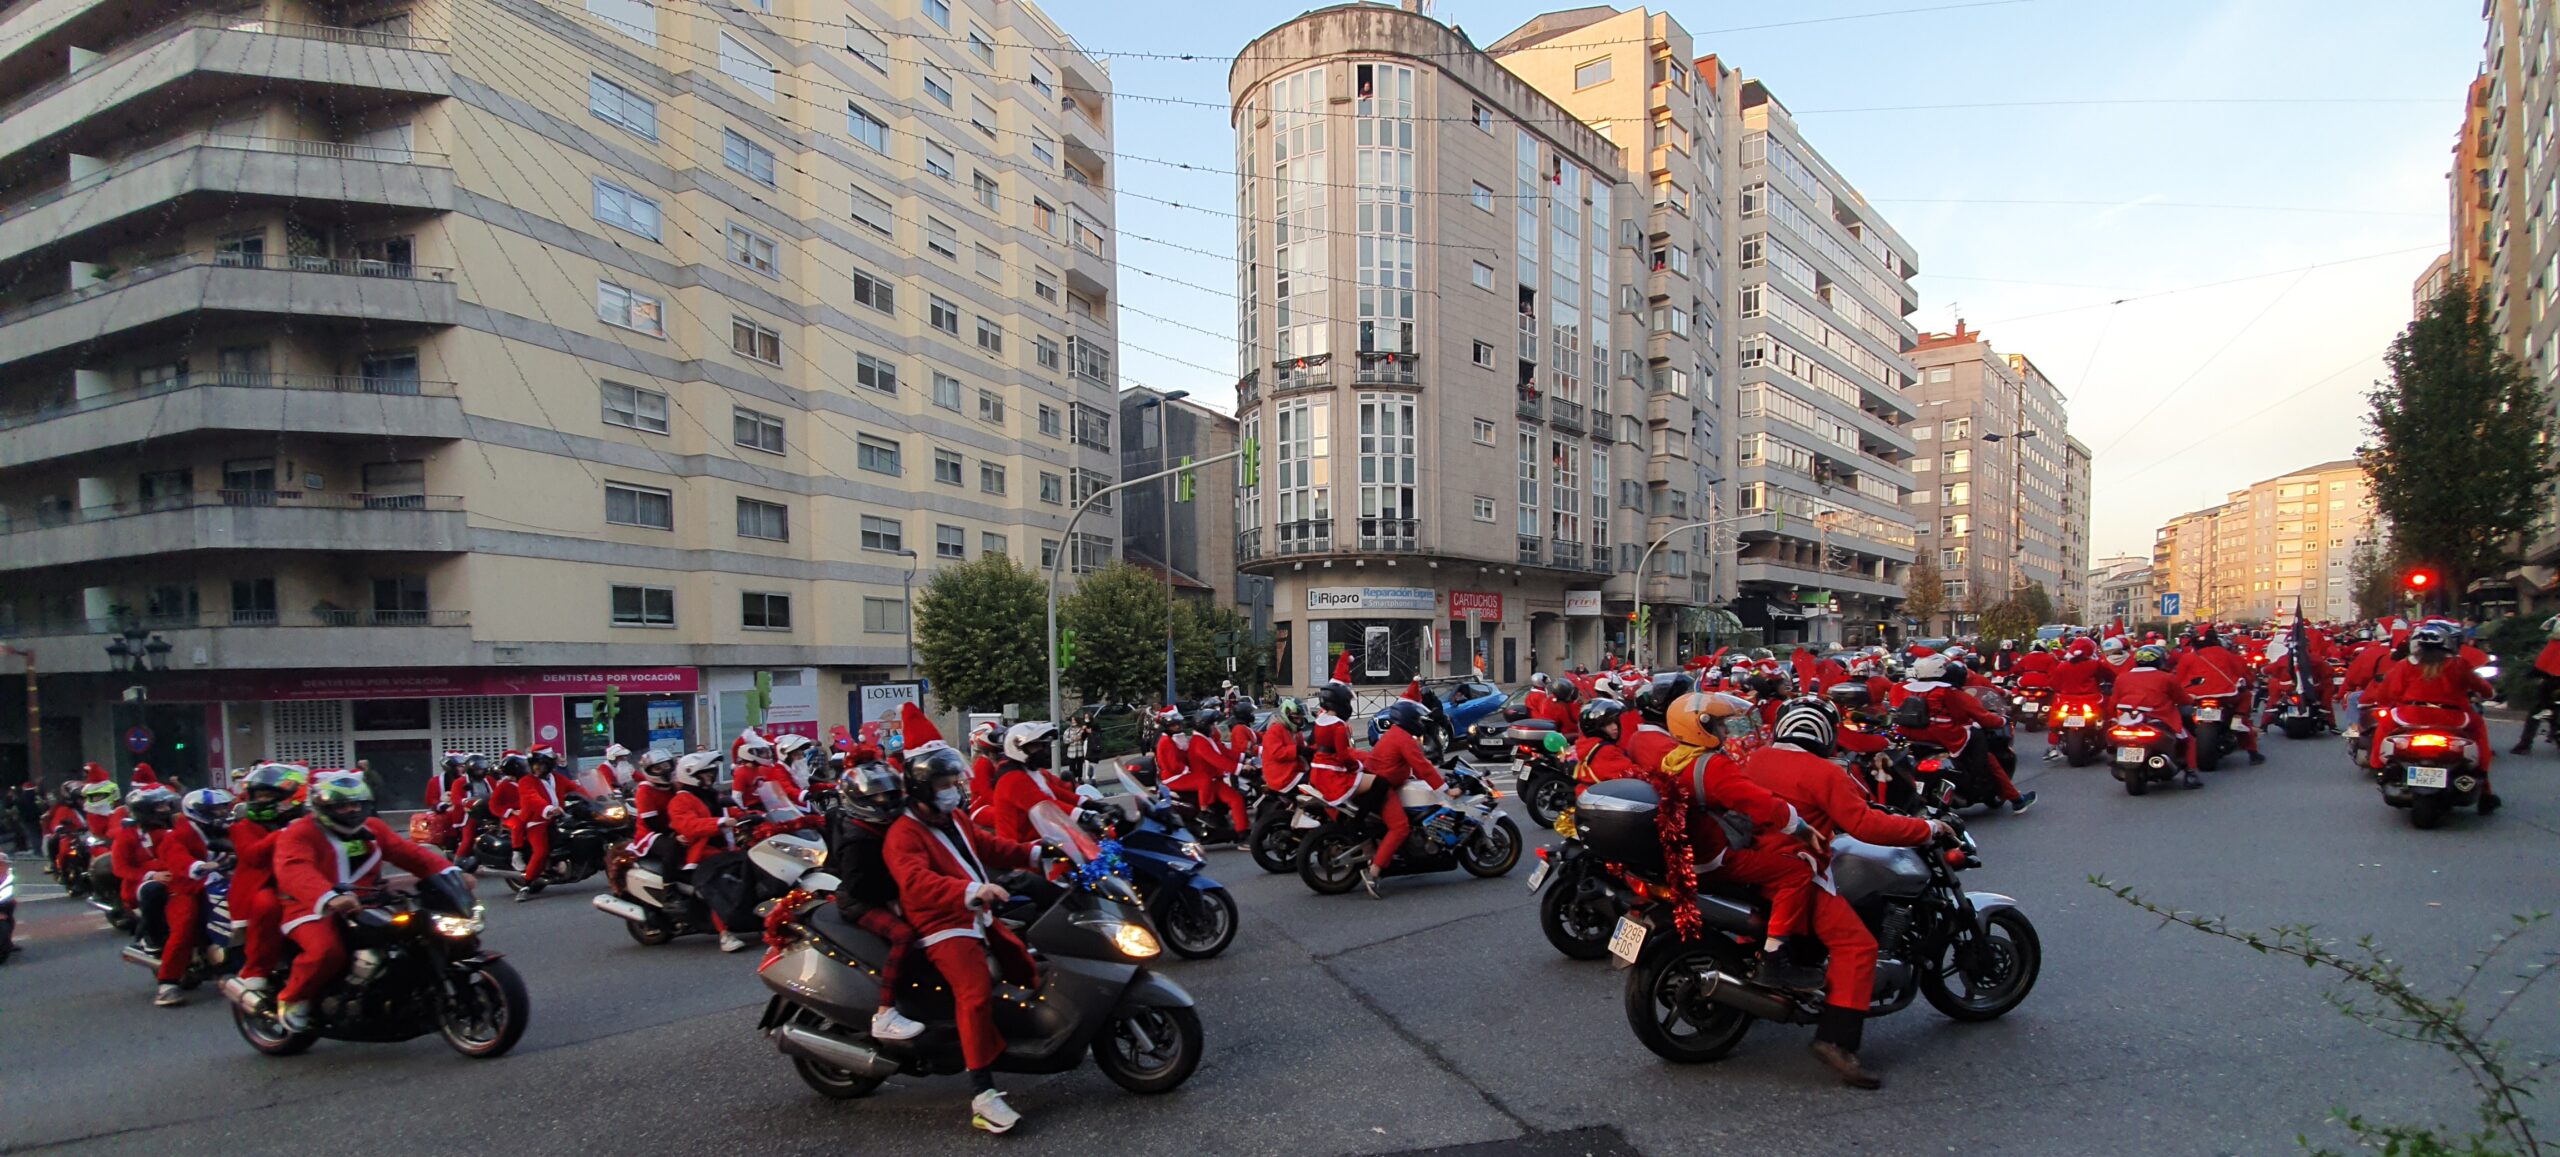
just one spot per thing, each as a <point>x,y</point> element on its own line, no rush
<point>1334,766</point>
<point>540,793</point>
<point>322,862</point>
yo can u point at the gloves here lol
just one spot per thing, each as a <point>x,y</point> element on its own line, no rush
<point>552,812</point>
<point>200,869</point>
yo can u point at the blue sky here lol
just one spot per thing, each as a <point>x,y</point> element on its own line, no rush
<point>2187,390</point>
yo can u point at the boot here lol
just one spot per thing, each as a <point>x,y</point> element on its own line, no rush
<point>1836,1037</point>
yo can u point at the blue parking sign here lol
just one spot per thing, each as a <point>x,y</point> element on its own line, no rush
<point>2169,606</point>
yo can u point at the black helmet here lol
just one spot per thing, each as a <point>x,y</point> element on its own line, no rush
<point>453,762</point>
<point>1207,720</point>
<point>1654,702</point>
<point>1600,714</point>
<point>873,792</point>
<point>927,772</point>
<point>1404,714</point>
<point>475,765</point>
<point>1957,673</point>
<point>1336,698</point>
<point>1240,710</point>
<point>543,759</point>
<point>151,807</point>
<point>1564,691</point>
<point>511,765</point>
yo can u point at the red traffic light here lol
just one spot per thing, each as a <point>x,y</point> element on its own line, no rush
<point>2420,579</point>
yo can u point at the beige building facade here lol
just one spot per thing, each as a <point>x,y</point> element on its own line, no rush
<point>603,345</point>
<point>2006,485</point>
<point>2285,542</point>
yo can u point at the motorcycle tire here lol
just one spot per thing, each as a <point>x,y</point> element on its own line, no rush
<point>2016,957</point>
<point>831,1082</point>
<point>1274,843</point>
<point>1196,923</point>
<point>1576,925</point>
<point>2427,812</point>
<point>2208,741</point>
<point>267,1035</point>
<point>1174,1034</point>
<point>2079,754</point>
<point>2300,728</point>
<point>1546,797</point>
<point>1320,860</point>
<point>493,980</point>
<point>1659,1008</point>
<point>2137,781</point>
<point>648,935</point>
<point>1493,851</point>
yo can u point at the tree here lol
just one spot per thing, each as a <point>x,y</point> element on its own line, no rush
<point>2008,620</point>
<point>2037,603</point>
<point>1924,592</point>
<point>980,631</point>
<point>2372,579</point>
<point>1118,615</point>
<point>2460,433</point>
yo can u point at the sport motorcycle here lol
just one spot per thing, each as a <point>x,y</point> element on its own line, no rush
<point>1468,832</point>
<point>1195,914</point>
<point>415,965</point>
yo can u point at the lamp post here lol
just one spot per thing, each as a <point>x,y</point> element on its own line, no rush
<point>1645,636</point>
<point>907,607</point>
<point>2017,498</point>
<point>1059,562</point>
<point>35,716</point>
<point>1164,548</point>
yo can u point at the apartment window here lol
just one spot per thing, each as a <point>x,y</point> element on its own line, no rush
<point>1481,197</point>
<point>1959,430</point>
<point>938,87</point>
<point>990,336</point>
<point>642,506</point>
<point>1048,553</point>
<point>866,45</point>
<point>753,340</point>
<point>1941,374</point>
<point>882,534</point>
<point>946,392</point>
<point>1480,275</point>
<point>982,117</point>
<point>874,373</point>
<point>1047,156</point>
<point>632,18</point>
<point>1483,432</point>
<point>1956,525</point>
<point>634,408</point>
<point>984,188</point>
<point>616,105</point>
<point>877,455</point>
<point>1484,509</point>
<point>740,63</point>
<point>873,212</point>
<point>626,210</point>
<point>950,541</point>
<point>764,611</point>
<point>992,544</point>
<point>756,430</point>
<point>943,315</point>
<point>946,467</point>
<point>938,160</point>
<point>884,616</point>
<point>873,292</point>
<point>1043,288</point>
<point>1957,493</point>
<point>1044,217</point>
<point>978,47</point>
<point>1595,72</point>
<point>1053,489</point>
<point>990,264</point>
<point>1052,423</point>
<point>990,478</point>
<point>253,602</point>
<point>745,157</point>
<point>1481,119</point>
<point>753,250</point>
<point>1045,352</point>
<point>630,309</point>
<point>766,520</point>
<point>1484,355</point>
<point>866,128</point>
<point>644,606</point>
<point>991,407</point>
<point>1040,81</point>
<point>938,11</point>
<point>942,238</point>
<point>1959,461</point>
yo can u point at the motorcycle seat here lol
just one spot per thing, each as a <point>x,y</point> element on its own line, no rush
<point>828,923</point>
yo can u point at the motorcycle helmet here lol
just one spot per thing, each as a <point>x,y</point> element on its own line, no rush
<point>697,770</point>
<point>208,807</point>
<point>1292,713</point>
<point>67,792</point>
<point>757,749</point>
<point>2433,641</point>
<point>1171,719</point>
<point>1335,699</point>
<point>1653,703</point>
<point>874,792</point>
<point>793,748</point>
<point>511,765</point>
<point>1240,711</point>
<point>151,807</point>
<point>1599,715</point>
<point>98,798</point>
<point>1404,715</point>
<point>2149,655</point>
<point>987,738</point>
<point>1565,692</point>
<point>1209,720</point>
<point>657,768</point>
<point>543,761</point>
<point>452,764</point>
<point>1811,723</point>
<point>940,769</point>
<point>1957,673</point>
<point>1537,678</point>
<point>1031,743</point>
<point>476,766</point>
<point>1762,654</point>
<point>2113,645</point>
<point>1766,685</point>
<point>342,802</point>
<point>1701,719</point>
<point>1929,669</point>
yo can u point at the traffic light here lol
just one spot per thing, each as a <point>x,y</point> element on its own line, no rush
<point>1182,481</point>
<point>2420,581</point>
<point>1066,648</point>
<point>606,711</point>
<point>1250,468</point>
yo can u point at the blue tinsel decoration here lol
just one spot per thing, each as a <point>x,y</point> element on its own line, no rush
<point>1103,866</point>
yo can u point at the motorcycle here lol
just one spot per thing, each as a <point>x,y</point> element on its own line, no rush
<point>67,855</point>
<point>2360,736</point>
<point>655,905</point>
<point>1281,826</point>
<point>106,893</point>
<point>214,956</point>
<point>1469,833</point>
<point>1914,769</point>
<point>580,839</point>
<point>2146,752</point>
<point>2296,716</point>
<point>2075,721</point>
<point>1195,913</point>
<point>2216,732</point>
<point>1096,993</point>
<point>1973,955</point>
<point>1539,771</point>
<point>2032,707</point>
<point>1581,896</point>
<point>2429,764</point>
<point>415,966</point>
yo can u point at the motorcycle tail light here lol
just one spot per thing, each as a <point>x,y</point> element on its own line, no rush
<point>1932,765</point>
<point>2430,739</point>
<point>1542,853</point>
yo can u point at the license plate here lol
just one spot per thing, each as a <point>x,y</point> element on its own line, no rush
<point>1302,820</point>
<point>2131,755</point>
<point>2208,715</point>
<point>1627,942</point>
<point>2426,777</point>
<point>1540,876</point>
<point>2074,721</point>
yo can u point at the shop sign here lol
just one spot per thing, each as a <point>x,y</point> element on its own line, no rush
<point>248,686</point>
<point>1486,604</point>
<point>1582,603</point>
<point>1370,598</point>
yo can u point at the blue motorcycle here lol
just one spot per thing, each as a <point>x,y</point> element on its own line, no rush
<point>1195,914</point>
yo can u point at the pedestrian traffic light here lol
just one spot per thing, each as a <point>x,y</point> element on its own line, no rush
<point>1250,469</point>
<point>1182,481</point>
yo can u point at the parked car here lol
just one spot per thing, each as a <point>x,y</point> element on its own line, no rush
<point>1488,739</point>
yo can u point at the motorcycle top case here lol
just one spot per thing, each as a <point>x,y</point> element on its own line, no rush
<point>1615,819</point>
<point>1851,696</point>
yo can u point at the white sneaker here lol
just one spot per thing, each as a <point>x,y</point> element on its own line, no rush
<point>294,1015</point>
<point>891,1024</point>
<point>729,942</point>
<point>989,1112</point>
<point>169,996</point>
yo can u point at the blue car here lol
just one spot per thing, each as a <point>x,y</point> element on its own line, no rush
<point>1466,704</point>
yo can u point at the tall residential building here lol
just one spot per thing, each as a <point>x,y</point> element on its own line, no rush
<point>414,377</point>
<point>1422,237</point>
<point>2290,537</point>
<point>2078,494</point>
<point>2182,561</point>
<point>1997,455</point>
<point>2471,184</point>
<point>2506,221</point>
<point>2430,283</point>
<point>1824,459</point>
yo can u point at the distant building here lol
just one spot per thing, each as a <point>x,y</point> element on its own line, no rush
<point>1997,457</point>
<point>1200,553</point>
<point>2288,538</point>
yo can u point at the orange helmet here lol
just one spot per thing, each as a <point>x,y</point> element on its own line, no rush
<point>1697,719</point>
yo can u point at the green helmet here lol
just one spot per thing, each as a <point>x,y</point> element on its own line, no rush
<point>98,798</point>
<point>342,801</point>
<point>2149,655</point>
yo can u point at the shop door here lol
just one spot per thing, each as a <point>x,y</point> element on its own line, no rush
<point>402,766</point>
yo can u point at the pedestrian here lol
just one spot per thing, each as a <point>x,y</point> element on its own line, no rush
<point>372,782</point>
<point>17,815</point>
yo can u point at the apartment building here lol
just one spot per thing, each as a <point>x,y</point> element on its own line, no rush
<point>2505,198</point>
<point>1997,452</point>
<point>2182,562</point>
<point>1823,424</point>
<point>2124,595</point>
<point>412,376</point>
<point>2078,494</point>
<point>1191,541</point>
<point>2288,538</point>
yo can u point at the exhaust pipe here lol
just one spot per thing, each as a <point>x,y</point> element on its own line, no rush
<point>608,902</point>
<point>1739,995</point>
<point>833,1051</point>
<point>137,954</point>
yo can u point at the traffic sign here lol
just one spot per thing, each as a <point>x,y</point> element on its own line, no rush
<point>2169,606</point>
<point>138,740</point>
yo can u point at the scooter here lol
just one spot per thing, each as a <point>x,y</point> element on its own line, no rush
<point>2429,764</point>
<point>2217,732</point>
<point>2146,751</point>
<point>654,904</point>
<point>1469,833</point>
<point>1195,913</point>
<point>1096,992</point>
<point>2074,728</point>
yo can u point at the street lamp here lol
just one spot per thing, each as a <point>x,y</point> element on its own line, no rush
<point>1164,548</point>
<point>907,607</point>
<point>135,650</point>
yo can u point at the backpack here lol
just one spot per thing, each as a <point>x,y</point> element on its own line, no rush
<point>1912,714</point>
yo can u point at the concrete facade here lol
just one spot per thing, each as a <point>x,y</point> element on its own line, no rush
<point>2290,537</point>
<point>2007,486</point>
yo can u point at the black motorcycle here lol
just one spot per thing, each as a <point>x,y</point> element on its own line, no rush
<point>69,869</point>
<point>2216,729</point>
<point>1472,834</point>
<point>2143,751</point>
<point>1540,773</point>
<point>586,830</point>
<point>1281,824</point>
<point>1973,955</point>
<point>1581,896</point>
<point>1096,992</point>
<point>414,966</point>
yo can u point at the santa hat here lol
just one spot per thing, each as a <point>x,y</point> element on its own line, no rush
<point>1342,669</point>
<point>1413,691</point>
<point>915,732</point>
<point>142,774</point>
<point>1919,652</point>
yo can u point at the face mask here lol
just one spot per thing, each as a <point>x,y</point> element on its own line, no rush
<point>1037,758</point>
<point>947,799</point>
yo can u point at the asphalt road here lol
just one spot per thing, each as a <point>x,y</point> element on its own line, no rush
<point>1435,1020</point>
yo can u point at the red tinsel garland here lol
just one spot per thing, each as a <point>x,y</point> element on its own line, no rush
<point>1671,823</point>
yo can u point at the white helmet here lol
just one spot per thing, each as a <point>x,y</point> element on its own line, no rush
<point>616,751</point>
<point>1019,740</point>
<point>2113,644</point>
<point>754,747</point>
<point>1929,668</point>
<point>697,769</point>
<point>656,764</point>
<point>1537,678</point>
<point>791,747</point>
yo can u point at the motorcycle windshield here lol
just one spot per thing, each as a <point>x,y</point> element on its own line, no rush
<point>1058,831</point>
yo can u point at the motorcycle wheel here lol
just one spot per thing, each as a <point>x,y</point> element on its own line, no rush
<point>1492,851</point>
<point>2137,781</point>
<point>2010,956</point>
<point>2208,742</point>
<point>505,1009</point>
<point>2078,754</point>
<point>1577,925</point>
<point>1146,1049</point>
<point>649,935</point>
<point>1197,924</point>
<point>1326,860</point>
<point>1273,842</point>
<point>1669,1019</point>
<point>267,1035</point>
<point>1546,797</point>
<point>2427,812</point>
<point>2300,728</point>
<point>832,1082</point>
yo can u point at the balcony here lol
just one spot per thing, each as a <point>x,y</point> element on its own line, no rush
<point>1532,406</point>
<point>234,520</point>
<point>210,59</point>
<point>1603,428</point>
<point>264,640</point>
<point>1312,372</point>
<point>1565,554</point>
<point>1532,550</point>
<point>1564,415</point>
<point>343,406</point>
<point>1751,570</point>
<point>1306,536</point>
<point>1390,535</point>
<point>1388,369</point>
<point>1599,562</point>
<point>1249,545</point>
<point>133,198</point>
<point>183,289</point>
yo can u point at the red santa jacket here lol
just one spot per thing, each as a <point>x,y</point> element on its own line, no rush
<point>2153,690</point>
<point>2212,671</point>
<point>1199,759</point>
<point>1281,762</point>
<point>253,876</point>
<point>1335,766</point>
<point>1398,757</point>
<point>175,849</point>
<point>1828,800</point>
<point>2366,668</point>
<point>1715,779</point>
<point>765,787</point>
<point>1173,761</point>
<point>2081,678</point>
<point>936,867</point>
<point>312,865</point>
<point>1018,789</point>
<point>2035,669</point>
<point>2451,687</point>
<point>2548,662</point>
<point>982,778</point>
<point>1953,715</point>
<point>697,823</point>
<point>61,814</point>
<point>532,798</point>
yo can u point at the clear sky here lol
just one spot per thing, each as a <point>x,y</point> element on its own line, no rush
<point>2184,387</point>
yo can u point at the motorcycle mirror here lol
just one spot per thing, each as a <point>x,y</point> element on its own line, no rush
<point>1086,791</point>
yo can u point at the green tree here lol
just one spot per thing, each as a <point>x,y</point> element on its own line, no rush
<point>1209,622</point>
<point>980,631</point>
<point>2372,579</point>
<point>2037,603</point>
<point>1924,592</point>
<point>2007,620</point>
<point>1118,615</point>
<point>2460,436</point>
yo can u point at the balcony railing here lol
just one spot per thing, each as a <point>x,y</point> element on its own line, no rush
<point>1388,369</point>
<point>315,617</point>
<point>1306,536</point>
<point>1532,548</point>
<point>1249,544</point>
<point>243,21</point>
<point>1598,563</point>
<point>291,499</point>
<point>322,383</point>
<point>1566,554</point>
<point>1390,535</point>
<point>282,146</point>
<point>1564,415</point>
<point>347,266</point>
<point>1531,407</point>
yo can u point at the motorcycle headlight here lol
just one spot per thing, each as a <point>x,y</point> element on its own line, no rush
<point>1131,939</point>
<point>459,927</point>
<point>617,813</point>
<point>1192,849</point>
